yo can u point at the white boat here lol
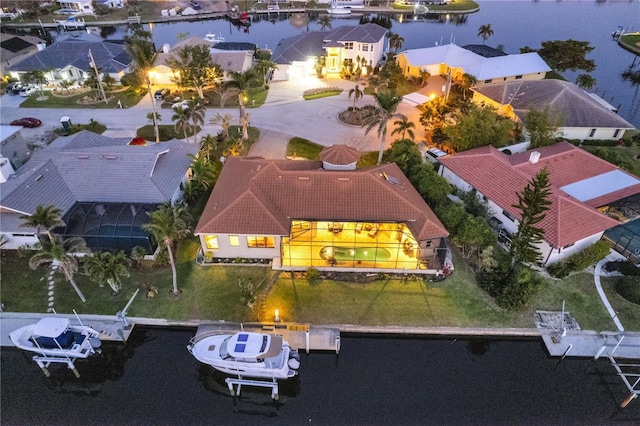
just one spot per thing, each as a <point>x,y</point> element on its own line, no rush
<point>57,337</point>
<point>214,38</point>
<point>247,354</point>
<point>336,9</point>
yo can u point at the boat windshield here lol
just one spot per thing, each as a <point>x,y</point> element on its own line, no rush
<point>224,353</point>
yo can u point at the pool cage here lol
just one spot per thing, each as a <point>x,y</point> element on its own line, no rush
<point>109,227</point>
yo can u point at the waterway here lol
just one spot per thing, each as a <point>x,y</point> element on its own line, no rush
<point>153,380</point>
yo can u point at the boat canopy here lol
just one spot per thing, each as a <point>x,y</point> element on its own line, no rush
<point>51,327</point>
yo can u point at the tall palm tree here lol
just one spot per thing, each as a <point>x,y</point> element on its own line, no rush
<point>357,94</point>
<point>107,267</point>
<point>585,81</point>
<point>237,85</point>
<point>169,224</point>
<point>44,217</point>
<point>59,251</point>
<point>467,82</point>
<point>380,114</point>
<point>395,41</point>
<point>485,31</point>
<point>245,120</point>
<point>180,118</point>
<point>325,22</point>
<point>404,126</point>
<point>197,110</point>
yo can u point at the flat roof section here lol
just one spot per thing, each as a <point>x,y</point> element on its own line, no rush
<point>600,185</point>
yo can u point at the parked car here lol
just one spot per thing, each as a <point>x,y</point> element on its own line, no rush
<point>161,93</point>
<point>181,104</point>
<point>14,88</point>
<point>26,122</point>
<point>28,90</point>
<point>433,154</point>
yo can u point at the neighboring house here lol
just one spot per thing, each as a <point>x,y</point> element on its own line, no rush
<point>582,185</point>
<point>103,186</point>
<point>13,147</point>
<point>297,56</point>
<point>15,48</point>
<point>301,214</point>
<point>583,115</point>
<point>225,56</point>
<point>457,61</point>
<point>68,59</point>
<point>86,6</point>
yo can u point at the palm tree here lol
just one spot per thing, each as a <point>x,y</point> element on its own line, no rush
<point>467,82</point>
<point>197,110</point>
<point>224,121</point>
<point>357,94</point>
<point>325,22</point>
<point>107,267</point>
<point>169,224</point>
<point>262,67</point>
<point>203,173</point>
<point>378,116</point>
<point>245,120</point>
<point>44,217</point>
<point>237,85</point>
<point>208,144</point>
<point>65,84</point>
<point>585,81</point>
<point>180,118</point>
<point>424,76</point>
<point>395,41</point>
<point>59,251</point>
<point>485,31</point>
<point>404,126</point>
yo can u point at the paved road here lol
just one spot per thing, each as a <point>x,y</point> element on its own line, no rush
<point>285,113</point>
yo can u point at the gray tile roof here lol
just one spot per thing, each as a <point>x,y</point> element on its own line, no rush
<point>108,55</point>
<point>77,169</point>
<point>578,109</point>
<point>365,33</point>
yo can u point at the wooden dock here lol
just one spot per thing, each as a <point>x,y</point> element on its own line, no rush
<point>303,337</point>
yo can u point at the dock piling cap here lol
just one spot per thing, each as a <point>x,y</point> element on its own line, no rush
<point>51,327</point>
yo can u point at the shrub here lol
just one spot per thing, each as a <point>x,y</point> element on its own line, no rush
<point>516,293</point>
<point>600,142</point>
<point>629,288</point>
<point>162,258</point>
<point>625,267</point>
<point>580,260</point>
<point>313,276</point>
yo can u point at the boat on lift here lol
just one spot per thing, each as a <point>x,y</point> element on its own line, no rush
<point>57,337</point>
<point>214,38</point>
<point>247,355</point>
<point>337,9</point>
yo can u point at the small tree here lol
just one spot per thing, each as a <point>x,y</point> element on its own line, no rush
<point>357,94</point>
<point>533,203</point>
<point>106,267</point>
<point>195,67</point>
<point>224,121</point>
<point>542,126</point>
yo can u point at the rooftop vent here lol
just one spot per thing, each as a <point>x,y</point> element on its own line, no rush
<point>110,157</point>
<point>303,177</point>
<point>534,157</point>
<point>83,157</point>
<point>39,177</point>
<point>343,179</point>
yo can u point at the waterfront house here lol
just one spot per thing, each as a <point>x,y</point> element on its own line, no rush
<point>299,56</point>
<point>86,6</point>
<point>68,59</point>
<point>582,188</point>
<point>236,57</point>
<point>583,115</point>
<point>454,61</point>
<point>103,186</point>
<point>324,214</point>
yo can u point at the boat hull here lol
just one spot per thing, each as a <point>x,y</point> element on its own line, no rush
<point>75,342</point>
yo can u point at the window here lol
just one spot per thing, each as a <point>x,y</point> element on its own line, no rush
<point>487,81</point>
<point>234,240</point>
<point>260,242</point>
<point>364,47</point>
<point>212,242</point>
<point>348,45</point>
<point>592,132</point>
<point>508,216</point>
<point>518,77</point>
<point>616,133</point>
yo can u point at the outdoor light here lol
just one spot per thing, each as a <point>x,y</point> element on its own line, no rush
<point>277,315</point>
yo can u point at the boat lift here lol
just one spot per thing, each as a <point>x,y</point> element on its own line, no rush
<point>239,382</point>
<point>627,372</point>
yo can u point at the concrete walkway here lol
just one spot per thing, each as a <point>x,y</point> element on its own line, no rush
<point>596,277</point>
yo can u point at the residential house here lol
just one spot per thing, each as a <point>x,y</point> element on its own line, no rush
<point>236,57</point>
<point>68,59</point>
<point>582,185</point>
<point>583,115</point>
<point>454,61</point>
<point>14,48</point>
<point>298,56</point>
<point>86,6</point>
<point>104,187</point>
<point>327,215</point>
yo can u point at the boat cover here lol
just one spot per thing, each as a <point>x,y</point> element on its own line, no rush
<point>51,327</point>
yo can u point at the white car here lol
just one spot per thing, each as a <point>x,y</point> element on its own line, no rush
<point>181,104</point>
<point>28,90</point>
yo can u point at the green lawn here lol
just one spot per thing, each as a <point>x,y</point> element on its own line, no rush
<point>166,132</point>
<point>127,98</point>
<point>300,147</point>
<point>256,97</point>
<point>631,42</point>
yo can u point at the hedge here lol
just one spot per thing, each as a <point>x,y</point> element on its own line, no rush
<point>580,260</point>
<point>629,288</point>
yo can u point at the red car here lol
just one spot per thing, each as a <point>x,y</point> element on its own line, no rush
<point>26,122</point>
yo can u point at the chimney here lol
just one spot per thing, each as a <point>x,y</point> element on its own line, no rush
<point>166,48</point>
<point>534,157</point>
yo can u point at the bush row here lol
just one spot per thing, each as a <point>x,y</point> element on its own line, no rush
<point>629,288</point>
<point>580,260</point>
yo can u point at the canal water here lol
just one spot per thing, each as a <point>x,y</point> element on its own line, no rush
<point>153,380</point>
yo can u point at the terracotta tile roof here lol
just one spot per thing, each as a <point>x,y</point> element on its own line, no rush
<point>340,155</point>
<point>499,177</point>
<point>258,196</point>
